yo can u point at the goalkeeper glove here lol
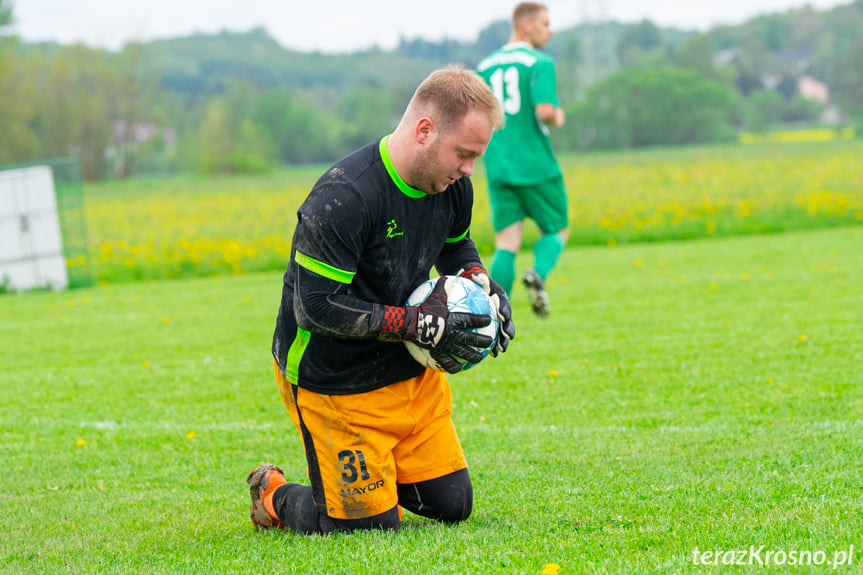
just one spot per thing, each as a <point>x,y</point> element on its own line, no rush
<point>447,335</point>
<point>499,302</point>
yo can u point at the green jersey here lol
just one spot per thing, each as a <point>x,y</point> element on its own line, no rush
<point>520,77</point>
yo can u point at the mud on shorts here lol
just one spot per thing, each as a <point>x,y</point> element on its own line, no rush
<point>545,203</point>
<point>358,447</point>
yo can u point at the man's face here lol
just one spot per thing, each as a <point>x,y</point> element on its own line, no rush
<point>539,29</point>
<point>449,156</point>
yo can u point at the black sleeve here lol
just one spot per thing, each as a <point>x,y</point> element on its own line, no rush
<point>326,307</point>
<point>460,254</point>
<point>457,256</point>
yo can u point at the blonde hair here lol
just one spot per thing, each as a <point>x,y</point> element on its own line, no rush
<point>452,92</point>
<point>526,11</point>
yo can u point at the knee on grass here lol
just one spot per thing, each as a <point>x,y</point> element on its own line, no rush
<point>448,499</point>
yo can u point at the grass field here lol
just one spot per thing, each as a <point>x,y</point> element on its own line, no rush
<point>187,227</point>
<point>703,394</point>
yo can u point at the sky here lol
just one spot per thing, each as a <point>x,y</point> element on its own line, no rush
<point>348,25</point>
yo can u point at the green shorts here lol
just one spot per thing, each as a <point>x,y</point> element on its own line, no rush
<point>545,203</point>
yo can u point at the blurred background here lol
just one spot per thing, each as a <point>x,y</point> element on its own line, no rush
<point>242,101</point>
<point>153,114</point>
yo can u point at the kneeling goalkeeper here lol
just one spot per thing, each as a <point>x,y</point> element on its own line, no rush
<point>375,424</point>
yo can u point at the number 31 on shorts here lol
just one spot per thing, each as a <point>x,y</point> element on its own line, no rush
<point>349,461</point>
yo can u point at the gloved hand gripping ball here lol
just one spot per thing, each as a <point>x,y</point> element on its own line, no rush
<point>455,324</point>
<point>500,303</point>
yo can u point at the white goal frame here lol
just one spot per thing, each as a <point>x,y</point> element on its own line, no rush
<point>31,244</point>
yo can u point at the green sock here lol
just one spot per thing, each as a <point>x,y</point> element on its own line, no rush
<point>503,269</point>
<point>546,250</point>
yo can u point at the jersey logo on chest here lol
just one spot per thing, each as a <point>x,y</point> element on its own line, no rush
<point>392,229</point>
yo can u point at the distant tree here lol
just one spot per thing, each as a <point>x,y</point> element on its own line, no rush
<point>228,139</point>
<point>64,101</point>
<point>726,37</point>
<point>755,56</point>
<point>73,111</point>
<point>810,42</point>
<point>398,96</point>
<point>132,87</point>
<point>365,114</point>
<point>771,30</point>
<point>762,110</point>
<point>847,86</point>
<point>212,149</point>
<point>15,106</point>
<point>696,53</point>
<point>571,53</point>
<point>93,116</point>
<point>800,109</point>
<point>18,140</point>
<point>300,133</point>
<point>746,81</point>
<point>444,51</point>
<point>650,107</point>
<point>787,86</point>
<point>6,19</point>
<point>493,37</point>
<point>640,58</point>
<point>643,36</point>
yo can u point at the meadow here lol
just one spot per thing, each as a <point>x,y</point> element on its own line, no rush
<point>194,226</point>
<point>683,398</point>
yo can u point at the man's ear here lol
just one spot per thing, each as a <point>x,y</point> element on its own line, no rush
<point>524,26</point>
<point>424,130</point>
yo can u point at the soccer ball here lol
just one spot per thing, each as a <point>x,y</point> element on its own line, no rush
<point>464,296</point>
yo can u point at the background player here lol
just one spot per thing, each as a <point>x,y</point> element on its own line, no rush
<point>524,179</point>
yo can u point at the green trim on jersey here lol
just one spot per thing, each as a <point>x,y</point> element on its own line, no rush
<point>406,189</point>
<point>521,77</point>
<point>457,238</point>
<point>295,354</point>
<point>323,269</point>
<point>344,222</point>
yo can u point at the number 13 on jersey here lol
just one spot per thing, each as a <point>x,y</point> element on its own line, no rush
<point>504,84</point>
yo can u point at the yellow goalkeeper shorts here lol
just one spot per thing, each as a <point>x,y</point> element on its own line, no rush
<point>360,446</point>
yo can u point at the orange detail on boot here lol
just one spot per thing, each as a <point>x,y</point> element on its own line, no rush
<point>272,481</point>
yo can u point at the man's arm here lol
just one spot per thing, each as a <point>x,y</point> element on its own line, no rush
<point>550,115</point>
<point>324,306</point>
<point>323,302</point>
<point>457,256</point>
<point>544,95</point>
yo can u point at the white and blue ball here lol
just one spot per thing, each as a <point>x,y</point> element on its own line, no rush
<point>464,297</point>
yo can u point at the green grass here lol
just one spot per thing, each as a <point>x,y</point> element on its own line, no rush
<point>693,394</point>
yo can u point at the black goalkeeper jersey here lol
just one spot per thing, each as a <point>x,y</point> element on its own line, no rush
<point>378,238</point>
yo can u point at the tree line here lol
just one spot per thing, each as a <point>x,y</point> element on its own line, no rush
<point>239,102</point>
